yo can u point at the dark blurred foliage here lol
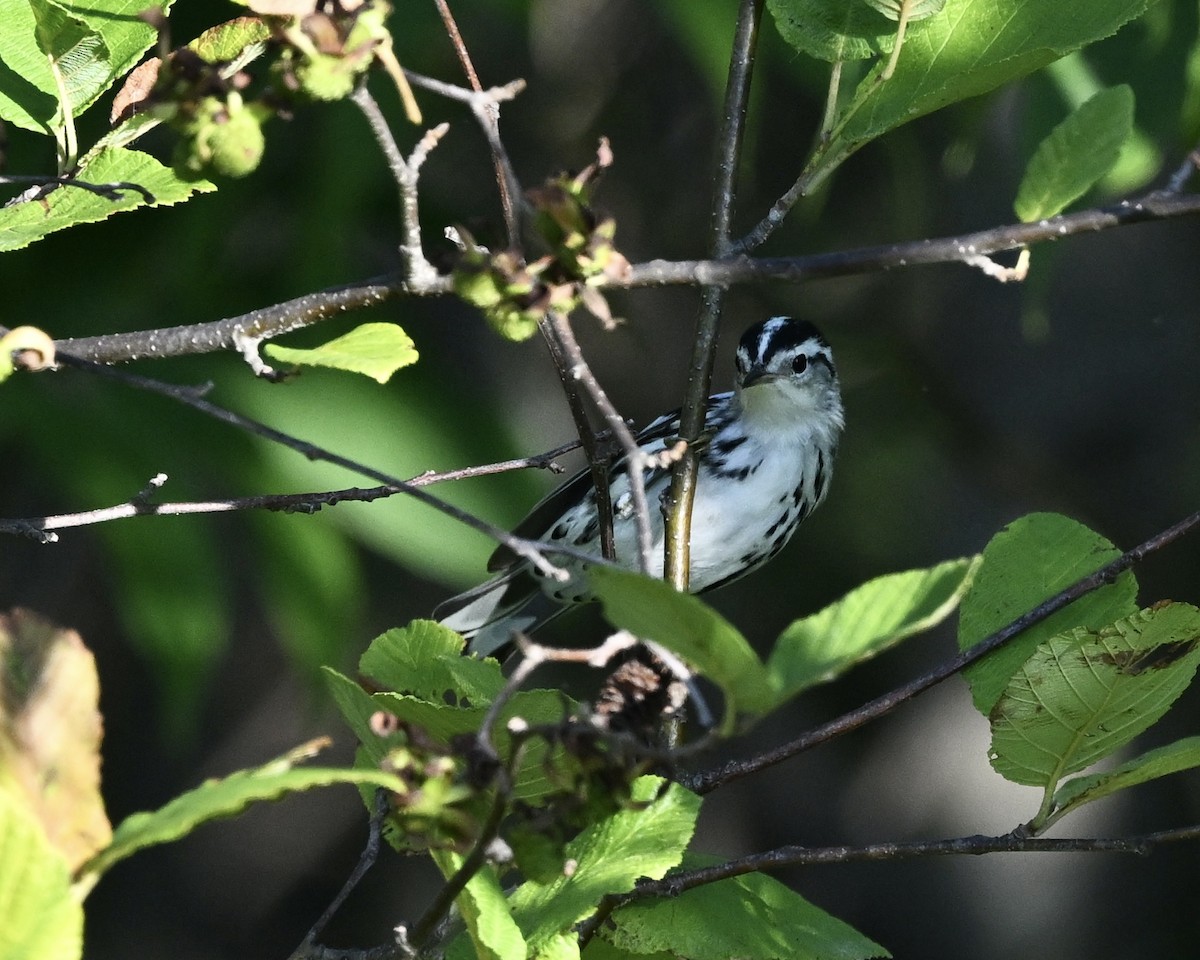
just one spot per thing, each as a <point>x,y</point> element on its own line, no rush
<point>969,403</point>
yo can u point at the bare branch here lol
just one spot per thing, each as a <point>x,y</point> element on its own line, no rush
<point>419,272</point>
<point>221,335</point>
<point>636,462</point>
<point>531,550</point>
<point>487,112</point>
<point>1161,205</point>
<point>794,855</point>
<point>885,704</point>
<point>677,561</point>
<point>41,528</point>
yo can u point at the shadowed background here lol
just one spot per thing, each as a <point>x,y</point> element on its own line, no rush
<point>968,404</point>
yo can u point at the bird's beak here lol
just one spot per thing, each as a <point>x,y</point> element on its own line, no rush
<point>757,375</point>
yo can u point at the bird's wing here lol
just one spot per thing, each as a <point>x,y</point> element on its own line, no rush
<point>550,509</point>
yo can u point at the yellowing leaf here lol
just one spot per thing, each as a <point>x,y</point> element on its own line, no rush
<point>50,732</point>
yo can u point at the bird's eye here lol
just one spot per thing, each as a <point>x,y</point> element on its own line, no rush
<point>800,364</point>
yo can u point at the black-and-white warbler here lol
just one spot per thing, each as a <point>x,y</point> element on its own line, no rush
<point>766,458</point>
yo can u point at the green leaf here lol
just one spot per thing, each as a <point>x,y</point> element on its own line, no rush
<point>227,797</point>
<point>426,659</point>
<point>832,30</point>
<point>967,50</point>
<point>1030,560</point>
<point>1076,154</point>
<point>752,917</point>
<point>865,622</point>
<point>95,41</point>
<point>652,608</point>
<point>23,223</point>
<point>1173,758</point>
<point>609,856</point>
<point>484,909</point>
<point>1084,694</point>
<point>917,9</point>
<point>40,919</point>
<point>539,772</point>
<point>76,51</point>
<point>376,350</point>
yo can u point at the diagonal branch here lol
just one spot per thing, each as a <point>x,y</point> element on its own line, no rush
<point>41,528</point>
<point>531,550</point>
<point>881,706</point>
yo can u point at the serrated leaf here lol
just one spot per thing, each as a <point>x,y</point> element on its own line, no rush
<point>28,92</point>
<point>376,350</point>
<point>1173,758</point>
<point>75,50</point>
<point>1030,560</point>
<point>226,797</point>
<point>917,9</point>
<point>490,926</point>
<point>752,917</point>
<point>610,856</point>
<point>652,608</point>
<point>1076,154</point>
<point>969,49</point>
<point>1084,694</point>
<point>832,30</point>
<point>865,622</point>
<point>23,223</point>
<point>426,659</point>
<point>50,732</point>
<point>40,919</point>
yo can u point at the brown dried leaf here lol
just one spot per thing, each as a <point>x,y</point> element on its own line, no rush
<point>135,90</point>
<point>50,731</point>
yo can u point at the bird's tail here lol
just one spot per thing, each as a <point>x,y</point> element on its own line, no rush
<point>490,614</point>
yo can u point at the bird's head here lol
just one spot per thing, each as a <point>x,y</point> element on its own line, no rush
<point>786,377</point>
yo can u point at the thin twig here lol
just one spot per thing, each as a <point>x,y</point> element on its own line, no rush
<point>531,550</point>
<point>795,855</point>
<point>314,307</point>
<point>264,323</point>
<point>365,861</point>
<point>598,455</point>
<point>109,191</point>
<point>488,114</point>
<point>707,782</point>
<point>40,528</point>
<point>1160,205</point>
<point>471,865</point>
<point>419,271</point>
<point>677,561</point>
<point>635,462</point>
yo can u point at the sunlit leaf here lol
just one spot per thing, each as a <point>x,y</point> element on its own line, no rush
<point>50,732</point>
<point>1084,694</point>
<point>227,797</point>
<point>490,925</point>
<point>40,919</point>
<point>376,350</point>
<point>968,49</point>
<point>23,223</point>
<point>865,622</point>
<point>609,857</point>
